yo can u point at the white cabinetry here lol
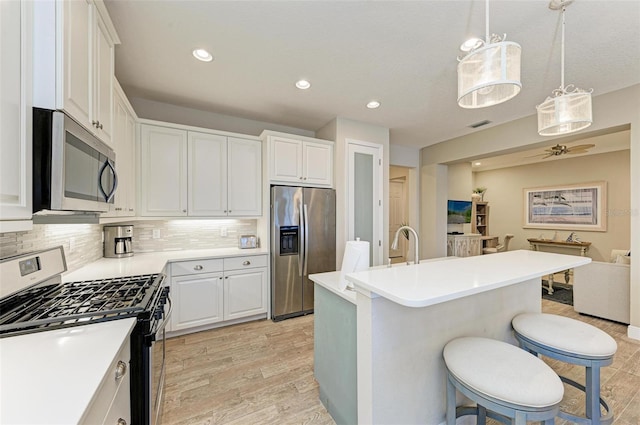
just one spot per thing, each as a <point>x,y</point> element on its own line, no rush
<point>15,116</point>
<point>197,174</point>
<point>464,245</point>
<point>124,131</point>
<point>211,291</point>
<point>111,402</point>
<point>74,61</point>
<point>163,171</point>
<point>307,162</point>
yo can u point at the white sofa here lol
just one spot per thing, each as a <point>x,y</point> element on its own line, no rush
<point>602,289</point>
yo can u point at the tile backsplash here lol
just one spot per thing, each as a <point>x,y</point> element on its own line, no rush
<point>83,242</point>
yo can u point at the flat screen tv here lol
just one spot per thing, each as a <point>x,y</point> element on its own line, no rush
<point>458,212</point>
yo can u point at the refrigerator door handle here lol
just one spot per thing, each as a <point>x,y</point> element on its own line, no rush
<point>303,242</point>
<point>306,237</point>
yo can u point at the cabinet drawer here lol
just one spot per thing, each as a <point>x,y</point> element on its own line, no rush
<point>182,268</point>
<point>247,262</point>
<point>117,375</point>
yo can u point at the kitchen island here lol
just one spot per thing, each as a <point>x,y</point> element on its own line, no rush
<point>405,315</point>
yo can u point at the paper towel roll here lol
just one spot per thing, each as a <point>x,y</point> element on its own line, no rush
<point>355,259</point>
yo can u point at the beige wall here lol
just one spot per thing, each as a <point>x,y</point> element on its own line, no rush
<point>614,109</point>
<point>505,198</point>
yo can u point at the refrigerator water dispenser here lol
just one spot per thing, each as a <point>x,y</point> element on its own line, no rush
<point>289,240</point>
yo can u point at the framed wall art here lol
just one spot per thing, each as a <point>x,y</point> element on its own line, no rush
<point>567,207</point>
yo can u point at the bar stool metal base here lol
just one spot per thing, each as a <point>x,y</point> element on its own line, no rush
<point>592,381</point>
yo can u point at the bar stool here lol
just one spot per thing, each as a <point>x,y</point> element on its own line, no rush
<point>507,383</point>
<point>575,342</point>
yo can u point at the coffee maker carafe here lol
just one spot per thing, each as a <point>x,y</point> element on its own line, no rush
<point>118,241</point>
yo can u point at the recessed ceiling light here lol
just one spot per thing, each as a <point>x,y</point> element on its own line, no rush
<point>373,104</point>
<point>303,84</point>
<point>470,44</point>
<point>202,55</point>
<point>477,163</point>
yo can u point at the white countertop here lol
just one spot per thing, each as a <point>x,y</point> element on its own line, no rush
<point>51,377</point>
<point>150,262</point>
<point>435,282</point>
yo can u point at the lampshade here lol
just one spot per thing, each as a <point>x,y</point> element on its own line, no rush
<point>568,109</point>
<point>565,113</point>
<point>489,75</point>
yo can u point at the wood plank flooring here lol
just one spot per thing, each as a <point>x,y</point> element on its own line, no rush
<point>262,373</point>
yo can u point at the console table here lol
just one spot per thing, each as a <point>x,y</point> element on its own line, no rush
<point>535,245</point>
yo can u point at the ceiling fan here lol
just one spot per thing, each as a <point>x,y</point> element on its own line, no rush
<point>558,150</point>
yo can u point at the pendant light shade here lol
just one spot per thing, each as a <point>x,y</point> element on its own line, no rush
<point>565,113</point>
<point>568,109</point>
<point>490,73</point>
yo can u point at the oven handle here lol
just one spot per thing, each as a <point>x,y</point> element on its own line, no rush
<point>149,338</point>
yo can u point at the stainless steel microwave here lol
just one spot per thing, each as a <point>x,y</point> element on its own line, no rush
<point>72,169</point>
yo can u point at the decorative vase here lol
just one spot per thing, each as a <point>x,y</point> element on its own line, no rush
<point>476,197</point>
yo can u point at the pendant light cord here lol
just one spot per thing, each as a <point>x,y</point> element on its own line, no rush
<point>486,17</point>
<point>562,53</point>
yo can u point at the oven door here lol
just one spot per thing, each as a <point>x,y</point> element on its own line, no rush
<point>157,367</point>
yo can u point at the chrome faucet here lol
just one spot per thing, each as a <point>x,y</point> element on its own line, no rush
<point>394,245</point>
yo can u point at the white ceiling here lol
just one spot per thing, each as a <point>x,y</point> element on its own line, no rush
<point>402,53</point>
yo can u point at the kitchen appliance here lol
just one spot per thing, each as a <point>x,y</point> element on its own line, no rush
<point>118,241</point>
<point>303,242</point>
<point>248,241</point>
<point>33,298</point>
<point>72,169</point>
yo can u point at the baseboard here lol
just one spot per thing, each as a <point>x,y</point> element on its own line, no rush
<point>633,332</point>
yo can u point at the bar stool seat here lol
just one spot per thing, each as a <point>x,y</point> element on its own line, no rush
<point>505,382</point>
<point>574,342</point>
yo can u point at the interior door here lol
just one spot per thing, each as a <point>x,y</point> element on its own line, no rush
<point>365,196</point>
<point>396,218</point>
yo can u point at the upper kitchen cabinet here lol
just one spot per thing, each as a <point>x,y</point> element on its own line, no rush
<point>211,174</point>
<point>163,171</point>
<point>15,116</point>
<point>224,176</point>
<point>74,62</point>
<point>124,140</point>
<point>299,160</point>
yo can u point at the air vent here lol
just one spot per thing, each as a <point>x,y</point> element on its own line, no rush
<point>480,124</point>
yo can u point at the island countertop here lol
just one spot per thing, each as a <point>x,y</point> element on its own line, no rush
<point>436,282</point>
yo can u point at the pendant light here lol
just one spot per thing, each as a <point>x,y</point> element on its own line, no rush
<point>490,73</point>
<point>568,109</point>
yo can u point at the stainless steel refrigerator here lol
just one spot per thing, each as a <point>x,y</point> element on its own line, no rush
<point>303,242</point>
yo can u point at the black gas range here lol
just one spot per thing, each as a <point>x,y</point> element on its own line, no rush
<point>33,298</point>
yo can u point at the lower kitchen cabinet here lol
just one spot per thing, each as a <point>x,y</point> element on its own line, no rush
<point>210,292</point>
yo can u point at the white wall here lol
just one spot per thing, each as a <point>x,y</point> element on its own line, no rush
<point>166,112</point>
<point>409,157</point>
<point>618,108</point>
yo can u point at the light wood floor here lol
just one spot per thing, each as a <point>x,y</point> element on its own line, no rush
<point>262,373</point>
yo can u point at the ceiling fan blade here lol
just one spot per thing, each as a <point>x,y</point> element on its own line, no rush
<point>573,151</point>
<point>538,155</point>
<point>549,155</point>
<point>579,147</point>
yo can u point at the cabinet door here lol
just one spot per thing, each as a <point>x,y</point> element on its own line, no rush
<point>76,84</point>
<point>245,293</point>
<point>198,300</point>
<point>102,80</point>
<point>475,246</point>
<point>207,174</point>
<point>285,160</point>
<point>163,170</point>
<point>130,137</point>
<point>244,177</point>
<point>15,116</point>
<point>317,163</point>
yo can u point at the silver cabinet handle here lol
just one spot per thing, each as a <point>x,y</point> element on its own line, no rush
<point>229,211</point>
<point>99,125</point>
<point>122,421</point>
<point>184,211</point>
<point>121,369</point>
<point>246,263</point>
<point>198,267</point>
<point>94,123</point>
